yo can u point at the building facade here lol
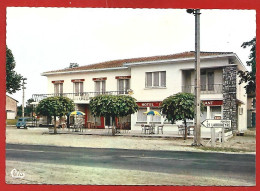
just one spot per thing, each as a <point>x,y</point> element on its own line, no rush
<point>152,79</point>
<point>11,107</point>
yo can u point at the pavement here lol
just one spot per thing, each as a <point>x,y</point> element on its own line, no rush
<point>101,138</point>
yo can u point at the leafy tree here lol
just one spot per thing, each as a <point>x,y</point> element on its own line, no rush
<point>28,108</point>
<point>56,107</point>
<point>113,106</point>
<point>19,110</point>
<point>179,107</point>
<point>73,65</point>
<point>13,80</point>
<point>249,77</point>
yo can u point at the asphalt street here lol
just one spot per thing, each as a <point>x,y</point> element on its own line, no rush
<point>219,165</point>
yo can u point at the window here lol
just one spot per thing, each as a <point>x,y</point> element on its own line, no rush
<point>100,86</point>
<point>207,80</point>
<point>123,86</point>
<point>58,88</point>
<point>155,118</point>
<point>155,79</point>
<point>78,87</point>
<point>141,117</point>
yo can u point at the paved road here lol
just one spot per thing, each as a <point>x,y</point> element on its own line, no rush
<point>231,166</point>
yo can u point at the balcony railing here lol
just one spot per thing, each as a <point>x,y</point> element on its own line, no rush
<point>84,96</point>
<point>205,89</point>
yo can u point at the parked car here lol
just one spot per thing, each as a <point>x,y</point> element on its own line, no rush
<point>24,122</point>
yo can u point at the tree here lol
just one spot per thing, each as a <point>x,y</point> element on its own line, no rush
<point>179,107</point>
<point>113,106</point>
<point>28,108</point>
<point>56,107</point>
<point>13,80</point>
<point>249,77</point>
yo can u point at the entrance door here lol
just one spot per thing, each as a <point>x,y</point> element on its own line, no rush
<point>108,121</point>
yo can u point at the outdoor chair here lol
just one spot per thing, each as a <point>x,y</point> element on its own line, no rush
<point>191,130</point>
<point>159,127</point>
<point>143,128</point>
<point>181,130</point>
<point>147,128</point>
<point>127,127</point>
<point>109,128</point>
<point>118,128</point>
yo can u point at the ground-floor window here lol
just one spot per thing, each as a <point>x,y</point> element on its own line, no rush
<point>215,111</point>
<point>141,117</point>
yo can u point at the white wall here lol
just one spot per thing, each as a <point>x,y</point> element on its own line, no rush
<point>174,79</point>
<point>242,96</point>
<point>88,85</point>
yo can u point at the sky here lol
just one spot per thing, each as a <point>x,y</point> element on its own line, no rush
<point>45,39</point>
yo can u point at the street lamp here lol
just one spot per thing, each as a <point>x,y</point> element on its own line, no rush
<point>23,87</point>
<point>197,134</point>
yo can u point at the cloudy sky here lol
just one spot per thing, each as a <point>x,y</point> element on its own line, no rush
<point>44,39</point>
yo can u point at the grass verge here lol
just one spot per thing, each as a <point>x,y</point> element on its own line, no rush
<point>11,121</point>
<point>224,149</point>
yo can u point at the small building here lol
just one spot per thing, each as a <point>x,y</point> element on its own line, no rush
<point>11,107</point>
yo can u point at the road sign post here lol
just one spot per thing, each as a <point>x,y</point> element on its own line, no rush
<point>217,123</point>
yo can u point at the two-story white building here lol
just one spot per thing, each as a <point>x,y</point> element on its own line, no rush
<point>152,79</point>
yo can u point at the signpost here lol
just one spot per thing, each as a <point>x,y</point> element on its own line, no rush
<point>217,123</point>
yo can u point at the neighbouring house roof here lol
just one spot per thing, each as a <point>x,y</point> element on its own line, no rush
<point>120,63</point>
<point>11,98</point>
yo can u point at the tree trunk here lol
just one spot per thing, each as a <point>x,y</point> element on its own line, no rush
<point>185,126</point>
<point>55,128</point>
<point>113,127</point>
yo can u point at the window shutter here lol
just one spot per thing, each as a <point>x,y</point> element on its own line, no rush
<point>211,81</point>
<point>148,79</point>
<point>121,86</point>
<point>127,85</point>
<point>97,88</point>
<point>103,86</point>
<point>203,80</point>
<point>61,88</point>
<point>156,79</point>
<point>163,79</point>
<point>76,85</point>
<point>81,87</point>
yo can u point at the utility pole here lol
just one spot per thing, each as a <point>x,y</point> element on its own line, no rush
<point>197,132</point>
<point>23,87</point>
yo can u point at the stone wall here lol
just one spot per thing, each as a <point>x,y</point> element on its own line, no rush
<point>229,95</point>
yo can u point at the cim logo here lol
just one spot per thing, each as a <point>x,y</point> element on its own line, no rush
<point>17,174</point>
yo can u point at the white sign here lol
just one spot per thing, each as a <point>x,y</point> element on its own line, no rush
<point>217,123</point>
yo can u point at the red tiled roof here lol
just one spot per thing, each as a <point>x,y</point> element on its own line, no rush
<point>119,63</point>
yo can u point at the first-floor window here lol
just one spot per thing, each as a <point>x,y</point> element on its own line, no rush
<point>78,87</point>
<point>58,88</point>
<point>123,86</point>
<point>100,86</point>
<point>207,80</point>
<point>155,79</point>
